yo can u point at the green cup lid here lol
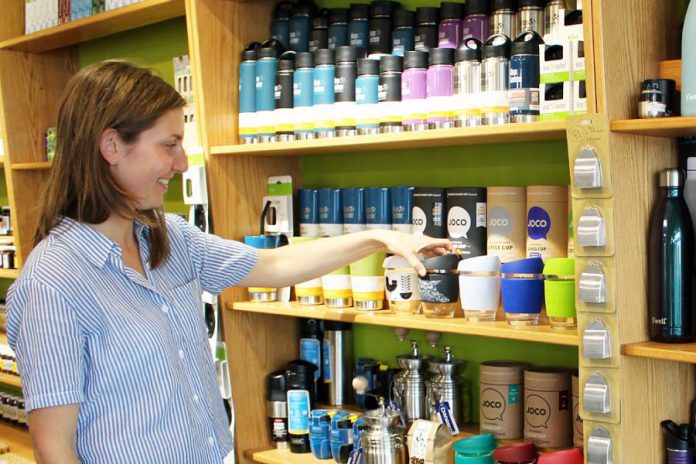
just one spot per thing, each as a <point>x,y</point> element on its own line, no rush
<point>560,267</point>
<point>478,444</point>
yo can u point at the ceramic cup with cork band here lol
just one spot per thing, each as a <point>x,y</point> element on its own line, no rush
<point>578,432</point>
<point>548,407</point>
<point>308,293</point>
<point>367,282</point>
<point>479,287</point>
<point>507,228</point>
<point>559,292</point>
<point>547,221</point>
<point>439,288</point>
<point>501,408</point>
<point>402,286</point>
<point>522,289</point>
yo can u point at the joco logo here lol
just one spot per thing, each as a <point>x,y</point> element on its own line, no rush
<point>458,222</point>
<point>419,220</point>
<point>538,223</point>
<point>538,411</point>
<point>499,221</point>
<point>493,404</point>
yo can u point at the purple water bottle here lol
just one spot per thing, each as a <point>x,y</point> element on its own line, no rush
<point>476,22</point>
<point>679,443</point>
<point>414,90</point>
<point>440,86</point>
<point>450,29</point>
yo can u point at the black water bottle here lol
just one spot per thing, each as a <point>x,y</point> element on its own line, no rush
<point>671,264</point>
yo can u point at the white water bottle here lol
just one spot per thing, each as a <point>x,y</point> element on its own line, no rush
<point>688,92</point>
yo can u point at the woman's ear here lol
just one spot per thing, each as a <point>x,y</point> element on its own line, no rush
<point>110,146</point>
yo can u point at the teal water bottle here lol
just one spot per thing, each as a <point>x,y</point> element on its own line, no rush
<point>688,92</point>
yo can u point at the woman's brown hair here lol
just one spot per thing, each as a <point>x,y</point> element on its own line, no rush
<point>113,94</point>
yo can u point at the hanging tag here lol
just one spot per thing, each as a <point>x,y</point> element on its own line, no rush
<point>355,456</point>
<point>444,411</point>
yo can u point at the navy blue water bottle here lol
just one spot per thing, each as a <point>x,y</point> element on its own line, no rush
<point>338,27</point>
<point>247,93</point>
<point>359,26</point>
<point>301,26</point>
<point>319,37</point>
<point>324,96</point>
<point>367,95</point>
<point>381,13</point>
<point>524,77</point>
<point>403,35</point>
<point>280,25</point>
<point>303,95</point>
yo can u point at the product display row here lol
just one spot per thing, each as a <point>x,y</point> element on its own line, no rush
<point>43,14</point>
<point>8,361</point>
<point>13,410</point>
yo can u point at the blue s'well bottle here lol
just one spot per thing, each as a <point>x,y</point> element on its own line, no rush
<point>303,95</point>
<point>359,25</point>
<point>247,93</point>
<point>301,26</point>
<point>366,96</point>
<point>280,25</point>
<point>324,96</point>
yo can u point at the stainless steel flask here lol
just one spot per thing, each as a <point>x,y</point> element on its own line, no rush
<point>409,384</point>
<point>384,441</point>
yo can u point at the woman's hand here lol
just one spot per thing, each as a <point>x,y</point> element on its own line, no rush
<point>410,246</point>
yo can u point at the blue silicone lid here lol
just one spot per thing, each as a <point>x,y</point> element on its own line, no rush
<point>523,266</point>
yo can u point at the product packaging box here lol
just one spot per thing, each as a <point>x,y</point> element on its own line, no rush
<point>556,101</point>
<point>555,60</point>
<point>579,97</point>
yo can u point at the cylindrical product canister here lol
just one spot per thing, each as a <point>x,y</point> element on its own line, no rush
<point>324,95</point>
<point>277,406</point>
<point>403,35</point>
<point>319,429</point>
<point>476,21</point>
<point>501,409</point>
<point>309,213</point>
<point>381,13</point>
<point>439,288</point>
<point>353,200</point>
<point>367,282</point>
<point>530,16</point>
<point>308,293</point>
<point>547,229</point>
<point>522,289</point>
<point>427,21</point>
<point>301,26</point>
<point>467,82</point>
<point>358,25</point>
<point>344,89</point>
<point>338,362</point>
<point>414,90</point>
<point>559,292</point>
<point>578,432</point>
<point>401,208</point>
<point>337,290</point>
<point>280,25</point>
<point>429,206</point>
<point>303,95</point>
<point>479,287</point>
<point>366,96</point>
<point>517,453</point>
<point>402,286</point>
<point>319,37</point>
<point>503,17</point>
<point>450,27</point>
<point>389,93</point>
<point>547,406</point>
<point>338,27</point>
<point>378,208</point>
<point>330,212</point>
<point>466,220</point>
<point>440,87</point>
<point>507,227</point>
<point>524,77</point>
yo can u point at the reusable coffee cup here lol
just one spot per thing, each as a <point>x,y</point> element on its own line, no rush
<point>479,287</point>
<point>559,292</point>
<point>353,200</point>
<point>402,286</point>
<point>501,410</point>
<point>547,226</point>
<point>337,289</point>
<point>308,293</point>
<point>378,208</point>
<point>367,282</point>
<point>466,220</point>
<point>330,212</point>
<point>507,231</point>
<point>475,450</point>
<point>522,288</point>
<point>548,407</point>
<point>517,453</point>
<point>262,294</point>
<point>429,208</point>
<point>439,288</point>
<point>569,456</point>
<point>401,208</point>
<point>309,213</point>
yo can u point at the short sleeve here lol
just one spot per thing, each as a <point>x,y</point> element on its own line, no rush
<point>49,343</point>
<point>220,263</point>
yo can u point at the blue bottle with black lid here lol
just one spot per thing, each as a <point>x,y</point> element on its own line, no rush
<point>303,95</point>
<point>280,25</point>
<point>247,92</point>
<point>358,25</point>
<point>324,94</point>
<point>524,77</point>
<point>338,27</point>
<point>381,14</point>
<point>301,26</point>
<point>319,37</point>
<point>403,35</point>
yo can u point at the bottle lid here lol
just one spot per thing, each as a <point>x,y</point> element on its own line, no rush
<point>476,7</point>
<point>476,445</point>
<point>497,46</point>
<point>503,5</point>
<point>560,267</point>
<point>670,178</point>
<point>451,10</point>
<point>518,452</point>
<point>282,11</point>
<point>446,262</point>
<point>532,3</point>
<point>338,16</point>
<point>664,86</point>
<point>304,9</point>
<point>441,56</point>
<point>335,325</point>
<point>384,9</point>
<point>300,366</point>
<point>324,56</point>
<point>277,386</point>
<point>391,63</point>
<point>367,66</point>
<point>469,49</point>
<point>346,53</point>
<point>268,52</point>
<point>274,43</point>
<point>304,60</point>
<point>569,456</point>
<point>527,43</point>
<point>359,11</point>
<point>404,18</point>
<point>417,59</point>
<point>487,263</point>
<point>427,15</point>
<point>311,328</point>
<point>251,51</point>
<point>321,20</point>
<point>523,266</point>
<point>677,437</point>
<point>286,62</point>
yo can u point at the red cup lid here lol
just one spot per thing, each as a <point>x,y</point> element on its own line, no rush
<point>569,456</point>
<point>518,452</point>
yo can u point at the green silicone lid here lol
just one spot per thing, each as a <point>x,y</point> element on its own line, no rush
<point>560,267</point>
<point>476,445</point>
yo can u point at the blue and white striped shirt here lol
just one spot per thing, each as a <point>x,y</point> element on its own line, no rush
<point>133,352</point>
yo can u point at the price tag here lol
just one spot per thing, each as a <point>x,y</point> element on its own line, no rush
<point>444,411</point>
<point>355,456</point>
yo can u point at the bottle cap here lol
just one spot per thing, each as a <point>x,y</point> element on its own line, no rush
<point>324,56</point>
<point>304,60</point>
<point>527,43</point>
<point>268,52</point>
<point>383,9</point>
<point>670,178</point>
<point>338,16</point>
<point>415,59</point>
<point>282,11</point>
<point>677,437</point>
<point>404,18</point>
<point>274,43</point>
<point>518,452</point>
<point>469,49</point>
<point>311,328</point>
<point>251,51</point>
<point>346,53</point>
<point>441,56</point>
<point>304,9</point>
<point>391,63</point>
<point>321,21</point>
<point>497,46</point>
<point>286,62</point>
<point>451,10</point>
<point>276,386</point>
<point>503,5</point>
<point>359,11</point>
<point>532,3</point>
<point>368,66</point>
<point>476,7</point>
<point>569,456</point>
<point>427,15</point>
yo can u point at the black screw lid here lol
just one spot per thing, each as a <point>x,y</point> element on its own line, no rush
<point>427,15</point>
<point>251,51</point>
<point>276,386</point>
<point>533,3</point>
<point>321,20</point>
<point>441,56</point>
<point>310,328</point>
<point>338,16</point>
<point>304,9</point>
<point>677,437</point>
<point>478,7</point>
<point>324,56</point>
<point>383,9</point>
<point>451,10</point>
<point>415,59</point>
<point>368,67</point>
<point>468,50</point>
<point>503,5</point>
<point>268,52</point>
<point>304,60</point>
<point>276,44</point>
<point>391,63</point>
<point>497,45</point>
<point>527,43</point>
<point>404,18</point>
<point>286,62</point>
<point>282,10</point>
<point>359,11</point>
<point>346,53</point>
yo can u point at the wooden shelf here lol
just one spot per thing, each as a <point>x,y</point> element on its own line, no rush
<point>657,127</point>
<point>682,352</point>
<point>9,273</point>
<point>32,166</point>
<point>498,329</point>
<point>13,380</point>
<point>520,132</point>
<point>17,438</point>
<point>3,338</point>
<point>100,25</point>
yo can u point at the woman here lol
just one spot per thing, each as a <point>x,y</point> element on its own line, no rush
<point>106,316</point>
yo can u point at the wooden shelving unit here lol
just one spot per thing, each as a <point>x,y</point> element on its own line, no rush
<point>38,166</point>
<point>93,27</point>
<point>9,273</point>
<point>685,353</point>
<point>657,127</point>
<point>509,133</point>
<point>498,329</point>
<point>12,380</point>
<point>18,439</point>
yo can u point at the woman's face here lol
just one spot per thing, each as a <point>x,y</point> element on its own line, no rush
<point>145,167</point>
